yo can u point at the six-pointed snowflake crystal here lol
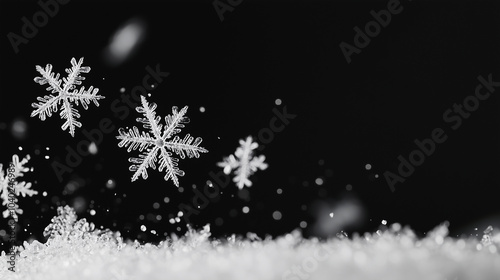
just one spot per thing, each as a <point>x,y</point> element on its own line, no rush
<point>66,94</point>
<point>244,164</point>
<point>159,142</point>
<point>14,171</point>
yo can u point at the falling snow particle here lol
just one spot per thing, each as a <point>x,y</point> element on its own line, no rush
<point>92,212</point>
<point>93,148</point>
<point>319,181</point>
<point>368,166</point>
<point>303,224</point>
<point>331,214</point>
<point>277,215</point>
<point>246,209</point>
<point>202,109</point>
<point>110,184</point>
<point>279,191</point>
<point>143,227</point>
<point>384,222</point>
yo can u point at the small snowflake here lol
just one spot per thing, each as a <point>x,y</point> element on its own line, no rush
<point>66,94</point>
<point>159,142</point>
<point>244,164</point>
<point>15,170</point>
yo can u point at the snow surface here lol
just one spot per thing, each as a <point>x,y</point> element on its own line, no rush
<point>390,253</point>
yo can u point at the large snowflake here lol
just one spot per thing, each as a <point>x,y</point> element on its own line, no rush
<point>15,170</point>
<point>66,94</point>
<point>159,142</point>
<point>243,162</point>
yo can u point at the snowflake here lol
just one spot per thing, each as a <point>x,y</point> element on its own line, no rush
<point>157,142</point>
<point>49,103</point>
<point>244,164</point>
<point>15,170</point>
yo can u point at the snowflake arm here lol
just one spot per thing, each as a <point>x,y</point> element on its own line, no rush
<point>175,122</point>
<point>151,121</point>
<point>74,77</point>
<point>170,165</point>
<point>141,163</point>
<point>243,163</point>
<point>49,103</point>
<point>184,146</point>
<point>157,143</point>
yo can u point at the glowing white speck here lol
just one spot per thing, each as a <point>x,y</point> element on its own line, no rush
<point>171,220</point>
<point>177,219</point>
<point>93,148</point>
<point>202,109</point>
<point>279,191</point>
<point>368,166</point>
<point>303,224</point>
<point>246,209</point>
<point>47,157</point>
<point>376,175</point>
<point>166,199</point>
<point>47,148</point>
<point>143,227</point>
<point>384,222</point>
<point>156,205</point>
<point>110,184</point>
<point>92,212</point>
<point>277,101</point>
<point>319,181</point>
<point>20,148</point>
<point>44,193</point>
<point>153,231</point>
<point>180,214</point>
<point>122,90</point>
<point>331,214</point>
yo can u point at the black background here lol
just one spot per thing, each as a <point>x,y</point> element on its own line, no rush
<point>348,115</point>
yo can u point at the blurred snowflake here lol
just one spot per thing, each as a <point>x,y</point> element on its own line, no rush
<point>16,170</point>
<point>244,164</point>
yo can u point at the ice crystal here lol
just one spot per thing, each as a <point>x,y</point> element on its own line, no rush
<point>243,163</point>
<point>66,94</point>
<point>15,170</point>
<point>66,227</point>
<point>159,141</point>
